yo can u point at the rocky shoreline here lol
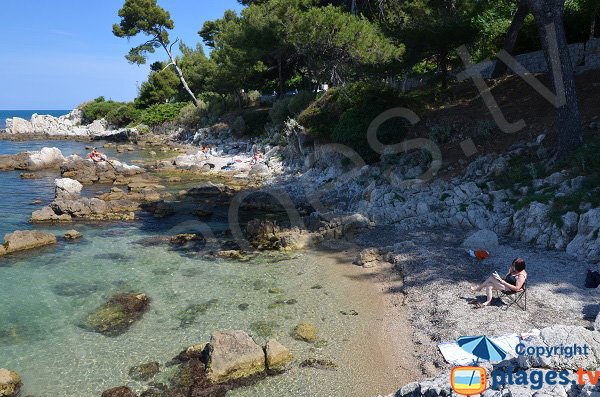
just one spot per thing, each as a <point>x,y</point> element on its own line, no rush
<point>364,206</point>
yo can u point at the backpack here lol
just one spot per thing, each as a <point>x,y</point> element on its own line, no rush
<point>592,279</point>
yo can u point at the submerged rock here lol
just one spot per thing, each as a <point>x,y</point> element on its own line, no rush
<point>318,364</point>
<point>277,355</point>
<point>118,314</point>
<point>121,391</point>
<point>368,257</point>
<point>10,383</point>
<point>73,235</point>
<point>22,240</point>
<point>144,372</point>
<point>234,355</point>
<point>306,332</point>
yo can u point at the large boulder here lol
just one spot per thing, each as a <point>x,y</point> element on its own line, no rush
<point>278,356</point>
<point>597,323</point>
<point>47,214</point>
<point>9,162</point>
<point>10,383</point>
<point>44,159</point>
<point>118,314</point>
<point>67,189</point>
<point>22,240</point>
<point>234,355</point>
<point>482,239</point>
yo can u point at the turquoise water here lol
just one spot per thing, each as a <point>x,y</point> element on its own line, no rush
<point>26,114</point>
<point>46,293</point>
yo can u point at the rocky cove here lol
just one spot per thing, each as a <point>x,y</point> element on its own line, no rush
<point>406,234</point>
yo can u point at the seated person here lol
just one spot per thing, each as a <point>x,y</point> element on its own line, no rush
<point>511,283</point>
<point>258,158</point>
<point>96,156</point>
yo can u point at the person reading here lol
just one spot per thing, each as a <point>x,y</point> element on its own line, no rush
<point>513,282</point>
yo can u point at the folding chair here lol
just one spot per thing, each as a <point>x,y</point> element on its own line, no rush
<point>514,298</point>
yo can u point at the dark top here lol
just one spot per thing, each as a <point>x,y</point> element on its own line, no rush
<point>512,279</point>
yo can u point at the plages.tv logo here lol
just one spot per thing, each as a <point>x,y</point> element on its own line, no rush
<point>473,380</point>
<point>468,380</point>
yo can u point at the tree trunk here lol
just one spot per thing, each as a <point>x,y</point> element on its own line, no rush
<point>354,8</point>
<point>511,37</point>
<point>593,22</point>
<point>548,16</point>
<point>180,75</point>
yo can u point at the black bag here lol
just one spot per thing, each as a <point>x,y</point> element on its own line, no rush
<point>592,280</point>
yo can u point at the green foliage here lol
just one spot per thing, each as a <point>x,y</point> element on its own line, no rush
<point>123,115</point>
<point>146,17</point>
<point>280,112</point>
<point>191,116</point>
<point>255,121</point>
<point>440,133</point>
<point>161,113</point>
<point>520,170</point>
<point>252,99</point>
<point>98,109</point>
<point>300,102</point>
<point>238,128</point>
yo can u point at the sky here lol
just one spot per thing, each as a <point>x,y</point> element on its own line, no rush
<point>57,54</point>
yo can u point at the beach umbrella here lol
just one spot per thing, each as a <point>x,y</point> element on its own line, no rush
<point>481,347</point>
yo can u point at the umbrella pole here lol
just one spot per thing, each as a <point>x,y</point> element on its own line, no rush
<point>473,374</point>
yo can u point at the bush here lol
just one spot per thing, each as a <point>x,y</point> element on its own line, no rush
<point>280,112</point>
<point>123,115</point>
<point>300,102</point>
<point>98,109</point>
<point>238,128</point>
<point>255,121</point>
<point>253,98</point>
<point>191,116</point>
<point>440,133</point>
<point>161,113</point>
<point>354,124</point>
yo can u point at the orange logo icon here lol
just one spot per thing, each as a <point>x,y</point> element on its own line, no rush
<point>468,380</point>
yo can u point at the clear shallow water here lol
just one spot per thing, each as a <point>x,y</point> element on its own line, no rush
<point>46,294</point>
<point>26,114</point>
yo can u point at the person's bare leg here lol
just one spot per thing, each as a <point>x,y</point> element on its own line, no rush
<point>490,280</point>
<point>489,292</point>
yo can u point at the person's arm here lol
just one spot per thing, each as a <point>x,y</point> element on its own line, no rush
<point>519,283</point>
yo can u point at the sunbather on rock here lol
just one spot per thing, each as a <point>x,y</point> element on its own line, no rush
<point>513,282</point>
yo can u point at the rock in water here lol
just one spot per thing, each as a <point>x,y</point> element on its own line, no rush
<point>10,383</point>
<point>305,332</point>
<point>22,240</point>
<point>368,257</point>
<point>45,158</point>
<point>121,391</point>
<point>47,214</point>
<point>118,314</point>
<point>67,189</point>
<point>144,372</point>
<point>234,355</point>
<point>483,239</point>
<point>277,354</point>
<point>73,235</point>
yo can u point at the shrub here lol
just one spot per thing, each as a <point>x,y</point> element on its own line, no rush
<point>280,112</point>
<point>123,115</point>
<point>440,133</point>
<point>191,116</point>
<point>161,113</point>
<point>253,98</point>
<point>255,121</point>
<point>98,109</point>
<point>300,102</point>
<point>354,124</point>
<point>238,128</point>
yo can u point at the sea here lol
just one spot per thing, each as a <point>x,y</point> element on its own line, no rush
<point>26,114</point>
<point>47,294</point>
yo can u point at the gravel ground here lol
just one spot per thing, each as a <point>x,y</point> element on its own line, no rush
<point>437,275</point>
